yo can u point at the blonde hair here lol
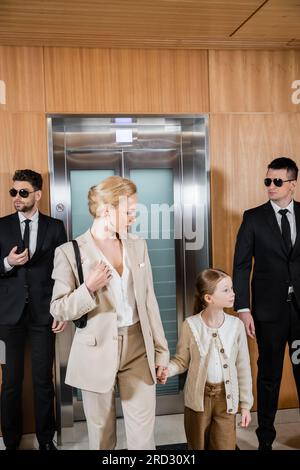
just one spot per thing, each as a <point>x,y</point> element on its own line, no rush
<point>109,191</point>
<point>206,283</point>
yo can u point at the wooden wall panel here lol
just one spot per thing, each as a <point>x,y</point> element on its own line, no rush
<point>22,70</point>
<point>253,81</point>
<point>23,145</point>
<point>241,146</point>
<point>125,81</point>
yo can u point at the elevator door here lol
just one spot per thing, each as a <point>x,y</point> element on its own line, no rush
<point>166,158</point>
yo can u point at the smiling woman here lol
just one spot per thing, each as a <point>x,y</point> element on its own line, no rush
<point>123,341</point>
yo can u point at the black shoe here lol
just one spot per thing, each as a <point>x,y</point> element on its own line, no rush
<point>264,446</point>
<point>11,448</point>
<point>48,446</point>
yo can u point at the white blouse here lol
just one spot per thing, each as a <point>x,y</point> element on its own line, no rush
<point>122,290</point>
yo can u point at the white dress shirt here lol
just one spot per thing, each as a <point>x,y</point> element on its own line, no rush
<point>292,221</point>
<point>33,230</point>
<point>122,290</point>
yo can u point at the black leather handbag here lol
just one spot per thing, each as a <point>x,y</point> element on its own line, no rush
<point>82,321</point>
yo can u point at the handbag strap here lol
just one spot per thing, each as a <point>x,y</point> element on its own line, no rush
<point>78,260</point>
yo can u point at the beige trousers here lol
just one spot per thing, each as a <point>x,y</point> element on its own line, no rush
<point>213,428</point>
<point>137,394</point>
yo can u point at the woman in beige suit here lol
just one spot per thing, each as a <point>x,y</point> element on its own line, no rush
<point>123,342</point>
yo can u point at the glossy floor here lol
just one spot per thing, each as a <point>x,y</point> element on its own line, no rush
<point>169,430</point>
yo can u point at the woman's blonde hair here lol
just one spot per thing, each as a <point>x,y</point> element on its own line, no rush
<point>109,191</point>
<point>206,283</point>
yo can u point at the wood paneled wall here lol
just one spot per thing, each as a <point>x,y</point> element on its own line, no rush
<point>252,81</point>
<point>22,69</point>
<point>247,93</point>
<point>125,81</point>
<point>23,131</point>
<point>241,146</point>
<point>252,121</point>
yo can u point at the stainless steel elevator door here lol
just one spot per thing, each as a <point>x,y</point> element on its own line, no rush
<point>167,159</point>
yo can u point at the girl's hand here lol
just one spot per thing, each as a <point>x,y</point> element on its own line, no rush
<point>246,418</point>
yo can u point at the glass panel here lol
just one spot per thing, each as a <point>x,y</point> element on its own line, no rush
<point>161,252</point>
<point>80,182</point>
<point>167,156</point>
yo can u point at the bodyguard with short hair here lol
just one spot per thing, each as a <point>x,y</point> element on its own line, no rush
<point>269,242</point>
<point>28,239</point>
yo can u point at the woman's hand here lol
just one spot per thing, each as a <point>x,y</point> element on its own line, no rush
<point>58,326</point>
<point>99,277</point>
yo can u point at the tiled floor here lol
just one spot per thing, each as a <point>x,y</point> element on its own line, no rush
<point>169,430</point>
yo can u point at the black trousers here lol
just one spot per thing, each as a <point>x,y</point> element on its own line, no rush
<point>272,338</point>
<point>42,343</point>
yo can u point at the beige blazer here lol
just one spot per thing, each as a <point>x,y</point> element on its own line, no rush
<point>192,354</point>
<point>93,360</point>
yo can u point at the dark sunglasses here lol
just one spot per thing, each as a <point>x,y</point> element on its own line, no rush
<point>24,193</point>
<point>277,182</point>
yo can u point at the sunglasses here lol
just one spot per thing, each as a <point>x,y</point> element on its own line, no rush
<point>24,193</point>
<point>277,182</point>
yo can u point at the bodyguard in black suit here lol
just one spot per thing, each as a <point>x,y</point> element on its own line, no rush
<point>269,241</point>
<point>28,240</point>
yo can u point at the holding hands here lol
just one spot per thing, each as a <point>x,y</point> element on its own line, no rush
<point>162,374</point>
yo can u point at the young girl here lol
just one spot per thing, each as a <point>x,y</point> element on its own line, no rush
<point>213,348</point>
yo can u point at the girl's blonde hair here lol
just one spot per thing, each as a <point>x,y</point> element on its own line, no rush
<point>109,191</point>
<point>206,283</point>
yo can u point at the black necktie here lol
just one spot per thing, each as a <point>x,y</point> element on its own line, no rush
<point>286,230</point>
<point>26,235</point>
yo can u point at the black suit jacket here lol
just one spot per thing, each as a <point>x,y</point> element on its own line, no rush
<point>259,239</point>
<point>36,273</point>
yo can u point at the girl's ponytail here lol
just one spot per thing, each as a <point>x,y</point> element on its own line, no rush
<point>199,304</point>
<point>206,283</point>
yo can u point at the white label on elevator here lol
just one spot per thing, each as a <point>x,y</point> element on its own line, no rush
<point>124,135</point>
